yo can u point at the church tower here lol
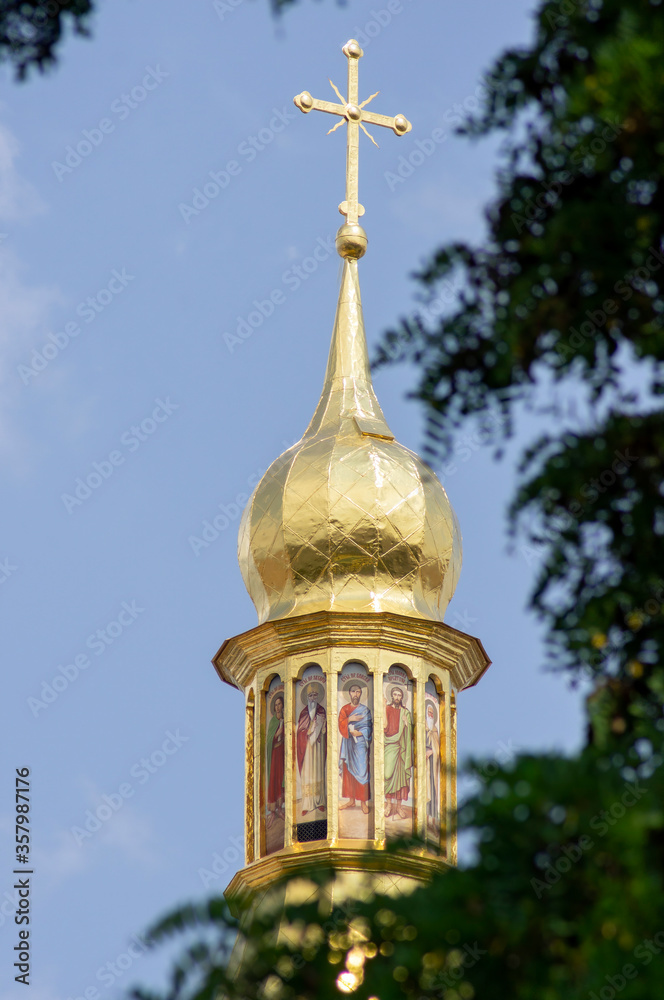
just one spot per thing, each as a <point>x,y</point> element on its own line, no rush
<point>351,552</point>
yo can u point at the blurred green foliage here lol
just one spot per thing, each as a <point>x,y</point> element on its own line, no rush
<point>565,898</point>
<point>31,29</point>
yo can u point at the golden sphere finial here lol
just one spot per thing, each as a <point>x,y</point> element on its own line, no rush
<point>401,125</point>
<point>304,101</point>
<point>352,49</point>
<point>351,241</point>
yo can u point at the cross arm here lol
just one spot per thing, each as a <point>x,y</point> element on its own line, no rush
<point>398,124</point>
<point>305,102</point>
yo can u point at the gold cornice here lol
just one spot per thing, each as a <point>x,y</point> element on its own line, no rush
<point>300,859</point>
<point>240,657</point>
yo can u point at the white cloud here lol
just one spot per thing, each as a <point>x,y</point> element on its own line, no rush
<point>91,839</point>
<point>25,309</point>
<point>61,861</point>
<point>19,200</point>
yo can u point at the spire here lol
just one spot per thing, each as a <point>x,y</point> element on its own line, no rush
<point>348,402</point>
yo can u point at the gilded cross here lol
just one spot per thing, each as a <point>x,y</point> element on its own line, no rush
<point>353,113</point>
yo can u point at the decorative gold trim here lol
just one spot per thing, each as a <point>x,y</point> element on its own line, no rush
<point>442,725</point>
<point>453,779</point>
<point>249,780</point>
<point>289,763</point>
<point>333,754</point>
<point>463,656</point>
<point>419,776</point>
<point>361,856</point>
<point>379,755</point>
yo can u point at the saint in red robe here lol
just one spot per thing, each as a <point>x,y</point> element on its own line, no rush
<point>275,786</point>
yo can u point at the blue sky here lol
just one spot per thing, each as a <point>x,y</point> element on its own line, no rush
<point>122,294</point>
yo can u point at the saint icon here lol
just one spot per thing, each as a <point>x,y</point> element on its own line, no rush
<point>275,762</point>
<point>398,754</point>
<point>312,750</point>
<point>356,728</point>
<point>432,766</point>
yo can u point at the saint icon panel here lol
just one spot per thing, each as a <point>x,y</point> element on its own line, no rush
<point>311,755</point>
<point>434,747</point>
<point>275,766</point>
<point>399,759</point>
<point>356,799</point>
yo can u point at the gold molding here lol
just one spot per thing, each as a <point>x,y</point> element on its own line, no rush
<point>363,856</point>
<point>241,656</point>
<point>453,779</point>
<point>249,782</point>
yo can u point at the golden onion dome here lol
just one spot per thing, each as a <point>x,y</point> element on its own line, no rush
<point>347,519</point>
